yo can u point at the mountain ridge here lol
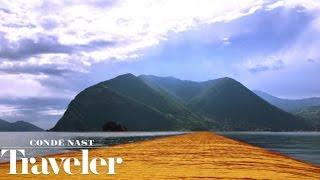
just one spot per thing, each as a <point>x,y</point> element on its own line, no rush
<point>18,126</point>
<point>132,93</point>
<point>234,115</point>
<point>148,102</point>
<point>289,105</point>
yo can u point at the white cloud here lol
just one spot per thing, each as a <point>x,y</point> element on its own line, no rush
<point>9,111</point>
<point>308,4</point>
<point>93,31</point>
<point>290,72</point>
<point>52,112</point>
<point>226,41</point>
<point>84,32</point>
<point>26,85</point>
<point>132,25</point>
<point>129,26</point>
<point>294,55</point>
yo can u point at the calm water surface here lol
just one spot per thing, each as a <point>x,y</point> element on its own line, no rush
<point>304,146</point>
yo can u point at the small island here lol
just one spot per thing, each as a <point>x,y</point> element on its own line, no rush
<point>113,126</point>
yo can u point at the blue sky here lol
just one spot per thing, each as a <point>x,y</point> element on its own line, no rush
<point>51,50</point>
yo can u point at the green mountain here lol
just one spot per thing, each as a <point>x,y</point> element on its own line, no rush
<point>18,126</point>
<point>183,90</point>
<point>289,105</point>
<point>129,101</point>
<point>311,114</point>
<point>150,103</point>
<point>229,103</point>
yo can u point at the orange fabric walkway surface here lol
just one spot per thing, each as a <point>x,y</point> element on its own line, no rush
<point>201,155</point>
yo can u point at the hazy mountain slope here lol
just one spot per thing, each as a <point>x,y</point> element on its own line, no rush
<point>288,105</point>
<point>229,103</point>
<point>312,114</point>
<point>237,108</point>
<point>4,125</point>
<point>181,89</point>
<point>128,100</point>
<point>18,126</point>
<point>135,88</point>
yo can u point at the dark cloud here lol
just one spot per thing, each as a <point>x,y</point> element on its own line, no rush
<point>50,69</point>
<point>5,10</point>
<point>311,60</point>
<point>52,6</point>
<point>25,48</point>
<point>95,44</point>
<point>66,84</point>
<point>260,68</point>
<point>39,111</point>
<point>12,25</point>
<point>43,102</point>
<point>29,47</point>
<point>104,3</point>
<point>49,24</point>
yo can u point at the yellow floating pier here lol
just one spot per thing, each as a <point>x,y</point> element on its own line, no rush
<point>202,155</point>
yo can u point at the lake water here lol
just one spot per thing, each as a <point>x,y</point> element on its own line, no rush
<point>304,146</point>
<point>300,145</point>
